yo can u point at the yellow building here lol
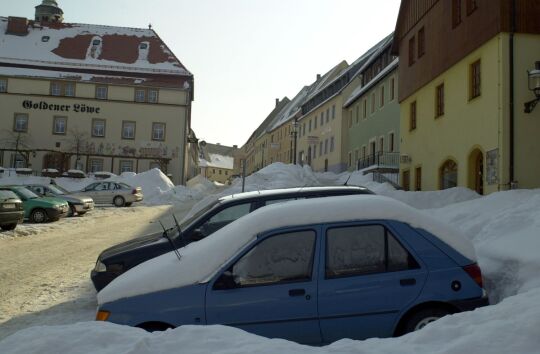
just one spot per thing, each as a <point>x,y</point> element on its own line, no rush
<point>216,161</point>
<point>92,98</point>
<point>462,96</point>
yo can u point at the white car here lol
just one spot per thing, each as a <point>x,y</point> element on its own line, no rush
<point>117,193</point>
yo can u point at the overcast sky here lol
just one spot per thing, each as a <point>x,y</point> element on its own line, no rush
<point>243,53</point>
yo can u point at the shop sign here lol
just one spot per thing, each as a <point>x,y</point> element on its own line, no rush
<point>44,106</point>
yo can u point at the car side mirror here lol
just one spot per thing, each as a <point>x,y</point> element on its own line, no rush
<point>196,235</point>
<point>225,281</point>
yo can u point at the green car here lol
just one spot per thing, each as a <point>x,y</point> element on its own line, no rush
<point>39,209</point>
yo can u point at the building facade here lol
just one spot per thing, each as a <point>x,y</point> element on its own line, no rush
<point>463,82</point>
<point>216,161</point>
<point>92,98</point>
<point>372,112</point>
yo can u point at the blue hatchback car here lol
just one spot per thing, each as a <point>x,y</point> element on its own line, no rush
<point>312,271</point>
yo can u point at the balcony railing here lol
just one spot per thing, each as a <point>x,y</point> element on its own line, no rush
<point>379,160</point>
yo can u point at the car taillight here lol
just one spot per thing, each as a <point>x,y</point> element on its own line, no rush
<point>475,273</point>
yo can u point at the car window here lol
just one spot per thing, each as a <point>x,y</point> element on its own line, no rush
<point>102,187</point>
<point>123,186</point>
<point>91,187</point>
<point>283,257</point>
<point>37,189</point>
<point>276,201</point>
<point>224,217</point>
<point>5,194</point>
<point>364,249</point>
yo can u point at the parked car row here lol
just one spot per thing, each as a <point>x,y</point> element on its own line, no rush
<point>290,264</point>
<point>41,203</point>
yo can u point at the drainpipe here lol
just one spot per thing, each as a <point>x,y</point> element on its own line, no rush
<point>513,183</point>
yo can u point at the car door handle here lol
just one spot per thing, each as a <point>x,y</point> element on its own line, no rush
<point>297,292</point>
<point>407,282</point>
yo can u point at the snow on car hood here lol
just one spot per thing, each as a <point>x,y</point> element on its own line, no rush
<point>200,260</point>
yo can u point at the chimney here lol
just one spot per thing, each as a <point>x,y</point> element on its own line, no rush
<point>17,26</point>
<point>277,101</point>
<point>318,77</point>
<point>235,146</point>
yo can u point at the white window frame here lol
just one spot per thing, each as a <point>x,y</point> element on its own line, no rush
<point>57,119</point>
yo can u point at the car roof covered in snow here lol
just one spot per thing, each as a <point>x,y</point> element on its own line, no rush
<point>201,260</point>
<point>298,190</point>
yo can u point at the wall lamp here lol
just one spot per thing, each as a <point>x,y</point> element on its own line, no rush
<point>534,86</point>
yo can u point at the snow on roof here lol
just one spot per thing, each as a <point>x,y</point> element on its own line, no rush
<point>92,47</point>
<point>201,260</point>
<point>360,90</point>
<point>218,161</point>
<point>289,111</point>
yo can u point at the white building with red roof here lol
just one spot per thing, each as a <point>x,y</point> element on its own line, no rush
<point>91,97</point>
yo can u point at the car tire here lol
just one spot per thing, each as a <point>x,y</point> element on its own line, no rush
<point>9,227</point>
<point>155,326</point>
<point>128,204</point>
<point>81,213</point>
<point>119,201</point>
<point>38,216</point>
<point>72,211</point>
<point>422,318</point>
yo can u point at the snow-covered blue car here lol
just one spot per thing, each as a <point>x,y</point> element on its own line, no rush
<point>311,271</point>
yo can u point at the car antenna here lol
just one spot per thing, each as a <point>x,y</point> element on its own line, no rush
<point>347,181</point>
<point>170,241</point>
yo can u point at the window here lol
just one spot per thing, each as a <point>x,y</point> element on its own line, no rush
<point>391,142</point>
<point>126,166</point>
<point>128,130</point>
<point>456,13</point>
<point>17,160</point>
<point>406,180</point>
<point>326,146</point>
<point>475,80</point>
<point>69,89</point>
<point>418,179</point>
<point>471,6</point>
<point>322,118</point>
<point>3,85</point>
<point>140,95</point>
<point>381,144</point>
<point>421,42</point>
<point>153,96</point>
<point>373,102</point>
<point>320,148</point>
<point>332,144</point>
<point>333,111</point>
<point>448,175</point>
<point>439,101</point>
<point>412,116</point>
<point>309,126</point>
<point>381,103</point>
<point>62,89</point>
<point>315,121</point>
<point>350,119</point>
<point>356,153</point>
<point>280,258</point>
<point>365,249</point>
<point>220,172</point>
<point>96,165</point>
<point>158,131</point>
<point>411,51</point>
<point>327,115</point>
<point>365,109</point>
<point>392,89</point>
<point>98,128</point>
<point>102,92</point>
<point>20,123</point>
<point>59,125</point>
<point>224,217</point>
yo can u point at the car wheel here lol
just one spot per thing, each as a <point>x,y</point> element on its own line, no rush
<point>9,227</point>
<point>128,204</point>
<point>423,317</point>
<point>119,201</point>
<point>38,216</point>
<point>72,211</point>
<point>155,326</point>
<point>81,213</point>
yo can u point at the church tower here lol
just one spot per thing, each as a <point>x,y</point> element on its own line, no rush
<point>49,11</point>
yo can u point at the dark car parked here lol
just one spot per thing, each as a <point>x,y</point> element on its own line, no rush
<point>118,259</point>
<point>11,210</point>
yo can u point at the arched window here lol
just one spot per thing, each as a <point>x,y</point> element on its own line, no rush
<point>448,174</point>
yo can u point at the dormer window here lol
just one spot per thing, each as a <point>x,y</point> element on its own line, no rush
<point>143,46</point>
<point>96,42</point>
<point>45,38</point>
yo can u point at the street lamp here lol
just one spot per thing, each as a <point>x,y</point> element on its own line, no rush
<point>534,86</point>
<point>294,135</point>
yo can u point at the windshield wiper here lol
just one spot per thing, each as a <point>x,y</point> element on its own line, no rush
<point>166,235</point>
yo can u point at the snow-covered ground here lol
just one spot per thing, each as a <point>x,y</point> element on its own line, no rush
<point>504,228</point>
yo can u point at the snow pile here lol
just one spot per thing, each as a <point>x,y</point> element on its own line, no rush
<point>205,257</point>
